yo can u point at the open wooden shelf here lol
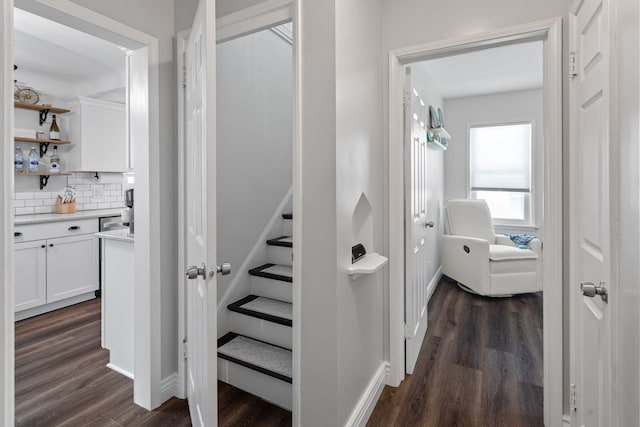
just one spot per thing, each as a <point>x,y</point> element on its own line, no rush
<point>42,174</point>
<point>41,141</point>
<point>40,107</point>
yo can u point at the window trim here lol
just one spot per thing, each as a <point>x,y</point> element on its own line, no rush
<point>530,213</point>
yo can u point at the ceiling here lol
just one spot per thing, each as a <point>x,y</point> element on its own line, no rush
<point>65,54</point>
<point>495,70</point>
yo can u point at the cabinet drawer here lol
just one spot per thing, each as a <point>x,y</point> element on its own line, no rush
<point>50,230</point>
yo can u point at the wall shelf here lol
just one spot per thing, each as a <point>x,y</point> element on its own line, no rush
<point>43,109</point>
<point>44,143</point>
<point>438,145</point>
<point>368,264</point>
<point>441,132</point>
<point>44,176</point>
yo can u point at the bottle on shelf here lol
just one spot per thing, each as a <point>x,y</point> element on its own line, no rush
<point>19,160</point>
<point>54,130</point>
<point>55,160</point>
<point>34,160</point>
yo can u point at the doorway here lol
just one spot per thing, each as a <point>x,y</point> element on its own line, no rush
<point>143,128</point>
<point>548,34</point>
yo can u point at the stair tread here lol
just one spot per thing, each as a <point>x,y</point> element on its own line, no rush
<point>287,215</point>
<point>273,271</point>
<point>286,241</point>
<point>257,355</point>
<point>264,308</point>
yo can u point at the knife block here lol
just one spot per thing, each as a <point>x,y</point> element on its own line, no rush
<point>64,208</point>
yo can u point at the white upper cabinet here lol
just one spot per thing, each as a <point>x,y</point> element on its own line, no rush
<point>98,131</point>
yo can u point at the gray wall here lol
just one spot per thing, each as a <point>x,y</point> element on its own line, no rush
<point>461,113</point>
<point>254,140</point>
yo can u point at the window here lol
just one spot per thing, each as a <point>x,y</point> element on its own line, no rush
<point>500,170</point>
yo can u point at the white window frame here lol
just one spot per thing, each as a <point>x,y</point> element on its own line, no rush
<point>530,203</point>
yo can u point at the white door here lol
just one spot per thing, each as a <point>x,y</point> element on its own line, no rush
<point>416,112</point>
<point>200,218</point>
<point>590,214</point>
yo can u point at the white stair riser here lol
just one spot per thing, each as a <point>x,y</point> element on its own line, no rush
<point>280,255</point>
<point>287,229</point>
<point>269,288</point>
<point>263,330</point>
<point>270,389</point>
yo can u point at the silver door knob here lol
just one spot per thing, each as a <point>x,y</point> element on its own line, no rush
<point>590,290</point>
<point>428,224</point>
<point>224,268</point>
<point>194,271</point>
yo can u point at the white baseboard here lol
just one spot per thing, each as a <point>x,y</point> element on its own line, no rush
<point>433,284</point>
<point>361,413</point>
<point>566,421</point>
<point>120,370</point>
<point>169,387</point>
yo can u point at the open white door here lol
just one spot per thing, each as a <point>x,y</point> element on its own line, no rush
<point>200,219</point>
<point>590,214</point>
<point>416,113</point>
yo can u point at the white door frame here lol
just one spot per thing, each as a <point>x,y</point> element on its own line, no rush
<point>551,32</point>
<point>145,123</point>
<point>246,21</point>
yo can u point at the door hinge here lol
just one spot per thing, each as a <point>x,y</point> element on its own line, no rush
<point>184,70</point>
<point>408,332</point>
<point>406,100</point>
<point>573,71</point>
<point>184,348</point>
<point>572,398</point>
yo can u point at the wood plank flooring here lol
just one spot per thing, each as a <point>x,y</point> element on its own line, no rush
<point>62,380</point>
<point>480,365</point>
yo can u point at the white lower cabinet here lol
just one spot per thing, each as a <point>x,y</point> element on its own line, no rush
<point>59,267</point>
<point>72,266</point>
<point>31,274</point>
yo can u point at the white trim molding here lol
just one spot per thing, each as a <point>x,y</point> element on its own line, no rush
<point>169,387</point>
<point>433,284</point>
<point>550,31</point>
<point>7,350</point>
<point>252,19</point>
<point>367,402</point>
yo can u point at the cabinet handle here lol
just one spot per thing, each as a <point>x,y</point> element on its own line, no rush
<point>43,246</point>
<point>74,227</point>
<point>50,245</point>
<point>17,234</point>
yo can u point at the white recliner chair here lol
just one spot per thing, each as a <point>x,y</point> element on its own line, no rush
<point>483,262</point>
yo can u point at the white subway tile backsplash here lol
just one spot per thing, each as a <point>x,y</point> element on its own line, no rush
<point>112,196</point>
<point>24,211</point>
<point>42,209</point>
<point>33,203</point>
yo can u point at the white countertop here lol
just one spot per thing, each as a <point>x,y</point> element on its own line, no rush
<point>52,217</point>
<point>121,234</point>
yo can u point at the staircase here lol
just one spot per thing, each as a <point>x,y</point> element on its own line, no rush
<point>255,355</point>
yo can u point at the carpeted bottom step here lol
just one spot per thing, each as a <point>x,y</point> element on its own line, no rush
<point>257,355</point>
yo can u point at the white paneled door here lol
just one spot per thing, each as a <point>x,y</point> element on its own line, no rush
<point>590,215</point>
<point>416,112</point>
<point>200,218</point>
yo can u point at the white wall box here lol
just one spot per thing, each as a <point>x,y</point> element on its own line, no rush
<point>98,130</point>
<point>54,266</point>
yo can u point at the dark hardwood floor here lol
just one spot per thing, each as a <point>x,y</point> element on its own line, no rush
<point>480,365</point>
<point>62,380</point>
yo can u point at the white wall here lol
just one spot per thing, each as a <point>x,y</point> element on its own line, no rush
<point>358,170</point>
<point>462,113</point>
<point>156,18</point>
<point>254,141</point>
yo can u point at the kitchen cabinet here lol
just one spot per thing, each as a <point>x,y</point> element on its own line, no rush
<point>98,130</point>
<point>56,264</point>
<point>30,260</point>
